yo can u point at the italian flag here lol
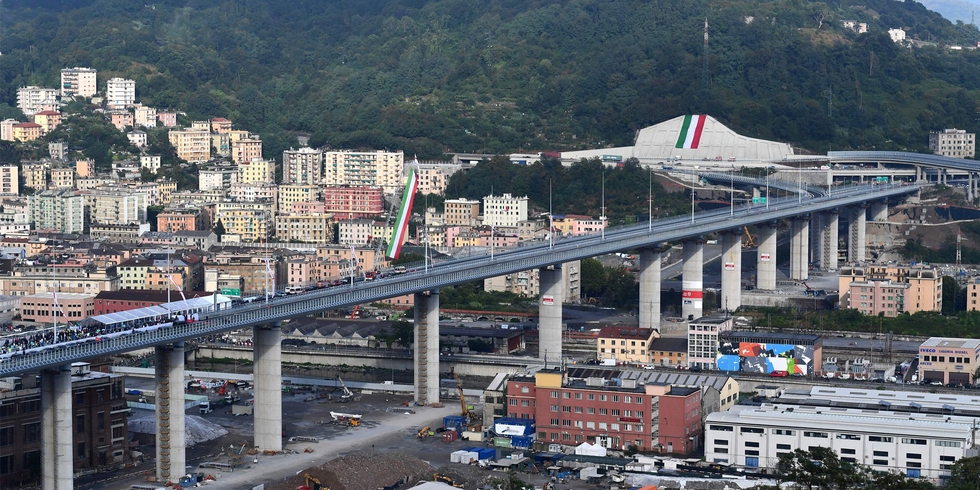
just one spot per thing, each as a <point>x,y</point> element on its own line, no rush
<point>404,213</point>
<point>691,129</point>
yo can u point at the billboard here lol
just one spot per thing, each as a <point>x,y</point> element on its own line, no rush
<point>753,357</point>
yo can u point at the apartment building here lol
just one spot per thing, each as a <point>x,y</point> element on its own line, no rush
<point>78,82</point>
<point>150,162</point>
<point>9,180</point>
<point>302,166</point>
<point>925,291</point>
<point>253,267</point>
<point>181,220</point>
<point>57,150</point>
<point>192,145</point>
<point>98,432</point>
<point>26,131</point>
<point>703,337</point>
<point>625,345</point>
<point>156,274</point>
<point>137,138</point>
<point>36,176</point>
<point>217,178</point>
<point>71,307</point>
<point>294,193</point>
<point>365,168</point>
<point>48,120</point>
<point>668,351</point>
<point>57,210</point>
<point>577,225</point>
<point>956,143</point>
<point>253,222</point>
<point>28,280</point>
<point>355,231</point>
<point>309,228</point>
<point>434,177</point>
<point>120,93</point>
<point>247,149</point>
<point>254,192</point>
<point>569,411</point>
<point>463,212</point>
<point>257,170</point>
<point>353,202</point>
<point>145,117</point>
<point>526,283</point>
<point>116,207</point>
<point>949,360</point>
<point>167,119</point>
<point>118,233</point>
<point>879,297</point>
<point>220,125</point>
<point>121,119</point>
<point>33,99</point>
<point>504,211</point>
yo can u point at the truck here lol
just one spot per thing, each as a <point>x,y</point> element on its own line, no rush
<point>608,362</point>
<point>240,410</point>
<point>205,406</point>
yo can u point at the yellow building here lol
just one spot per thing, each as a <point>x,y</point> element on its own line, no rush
<point>625,345</point>
<point>48,120</point>
<point>167,188</point>
<point>292,193</point>
<point>461,212</point>
<point>36,176</point>
<point>247,149</point>
<point>27,131</point>
<point>257,171</point>
<point>63,178</point>
<point>306,228</point>
<point>252,221</point>
<point>192,145</point>
<point>925,292</point>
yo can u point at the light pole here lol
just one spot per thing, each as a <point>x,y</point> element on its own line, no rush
<point>732,191</point>
<point>650,202</point>
<point>767,188</point>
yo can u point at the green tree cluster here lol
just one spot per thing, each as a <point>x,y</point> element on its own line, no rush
<point>614,287</point>
<point>819,468</point>
<point>508,75</point>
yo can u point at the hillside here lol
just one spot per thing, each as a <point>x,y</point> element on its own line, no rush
<point>507,75</point>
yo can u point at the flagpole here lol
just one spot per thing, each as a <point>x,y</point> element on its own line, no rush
<point>54,303</point>
<point>603,217</point>
<point>650,202</point>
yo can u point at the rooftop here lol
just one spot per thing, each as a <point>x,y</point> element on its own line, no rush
<point>620,332</point>
<point>711,320</point>
<point>765,338</point>
<point>669,344</point>
<point>952,343</point>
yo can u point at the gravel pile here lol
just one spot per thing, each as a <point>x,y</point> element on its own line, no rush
<point>197,429</point>
<point>364,470</point>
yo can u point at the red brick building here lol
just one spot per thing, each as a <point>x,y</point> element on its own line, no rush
<point>347,202</point>
<point>652,417</point>
<point>130,299</point>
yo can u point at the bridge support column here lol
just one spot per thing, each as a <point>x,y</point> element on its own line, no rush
<point>799,250</point>
<point>169,376</point>
<point>57,455</point>
<point>879,211</point>
<point>766,265</point>
<point>267,380</point>
<point>731,270</point>
<point>816,228</point>
<point>856,238</point>
<point>971,190</point>
<point>692,287</point>
<point>549,315</point>
<point>427,347</point>
<point>650,270</point>
<point>830,241</point>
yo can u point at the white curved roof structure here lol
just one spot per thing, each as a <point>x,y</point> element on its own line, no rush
<point>690,137</point>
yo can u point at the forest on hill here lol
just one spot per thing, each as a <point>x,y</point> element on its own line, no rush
<point>509,75</point>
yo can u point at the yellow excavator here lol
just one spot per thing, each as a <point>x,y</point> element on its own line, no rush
<point>447,480</point>
<point>465,412</point>
<point>312,483</point>
<point>424,432</point>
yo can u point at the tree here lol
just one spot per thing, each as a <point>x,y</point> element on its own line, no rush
<point>400,332</point>
<point>593,278</point>
<point>964,475</point>
<point>219,229</point>
<point>819,468</point>
<point>951,294</point>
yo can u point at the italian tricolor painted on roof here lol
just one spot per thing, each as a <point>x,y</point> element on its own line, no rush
<point>691,129</point>
<point>404,213</point>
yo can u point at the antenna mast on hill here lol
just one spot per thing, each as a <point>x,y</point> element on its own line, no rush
<point>705,76</point>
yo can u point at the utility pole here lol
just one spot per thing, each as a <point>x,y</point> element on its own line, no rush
<point>705,75</point>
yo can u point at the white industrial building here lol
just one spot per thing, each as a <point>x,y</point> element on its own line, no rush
<point>917,434</point>
<point>661,143</point>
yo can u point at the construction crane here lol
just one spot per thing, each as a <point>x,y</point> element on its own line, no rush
<point>347,395</point>
<point>749,239</point>
<point>465,412</point>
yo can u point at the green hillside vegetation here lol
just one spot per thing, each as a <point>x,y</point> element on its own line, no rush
<point>507,75</point>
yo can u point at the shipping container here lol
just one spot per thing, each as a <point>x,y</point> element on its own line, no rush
<point>501,442</point>
<point>488,453</point>
<point>449,436</point>
<point>521,441</point>
<point>475,436</point>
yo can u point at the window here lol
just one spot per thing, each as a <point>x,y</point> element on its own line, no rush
<point>578,396</point>
<point>850,451</point>
<point>615,412</point>
<point>751,444</point>
<point>6,464</point>
<point>784,446</point>
<point>32,432</point>
<point>784,432</point>
<point>602,398</point>
<point>912,455</point>
<point>913,464</point>
<point>590,410</point>
<point>880,462</point>
<point>554,394</point>
<point>591,396</point>
<point>721,442</point>
<point>513,402</point>
<point>920,442</point>
<point>578,409</point>
<point>525,389</point>
<point>6,436</point>
<point>948,459</point>
<point>751,452</point>
<point>554,422</point>
<point>554,408</point>
<point>882,454</point>
<point>566,409</point>
<point>721,450</point>
<point>822,435</point>
<point>750,430</point>
<point>849,460</point>
<point>723,428</point>
<point>849,437</point>
<point>879,439</point>
<point>948,443</point>
<point>603,411</point>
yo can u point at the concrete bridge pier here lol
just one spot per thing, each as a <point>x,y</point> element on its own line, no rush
<point>879,211</point>
<point>549,315</point>
<point>799,253</point>
<point>427,347</point>
<point>816,244</point>
<point>692,288</point>
<point>971,189</point>
<point>169,377</point>
<point>650,276</point>
<point>830,241</point>
<point>766,269</point>
<point>731,270</point>
<point>57,456</point>
<point>856,234</point>
<point>267,380</point>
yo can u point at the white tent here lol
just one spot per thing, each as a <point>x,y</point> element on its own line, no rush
<point>586,449</point>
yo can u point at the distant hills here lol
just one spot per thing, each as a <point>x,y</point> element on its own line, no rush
<point>512,75</point>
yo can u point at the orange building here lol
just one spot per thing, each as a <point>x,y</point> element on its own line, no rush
<point>48,120</point>
<point>220,125</point>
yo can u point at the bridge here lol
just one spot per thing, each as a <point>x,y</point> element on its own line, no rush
<point>265,318</point>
